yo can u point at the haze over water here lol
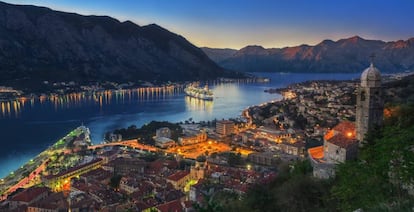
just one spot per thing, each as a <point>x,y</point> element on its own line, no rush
<point>36,126</point>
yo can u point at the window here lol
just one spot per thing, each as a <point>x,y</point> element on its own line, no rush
<point>362,96</point>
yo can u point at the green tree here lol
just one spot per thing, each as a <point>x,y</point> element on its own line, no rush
<point>384,168</point>
<point>115,181</point>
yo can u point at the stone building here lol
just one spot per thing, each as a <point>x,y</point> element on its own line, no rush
<point>196,137</point>
<point>341,143</point>
<point>370,104</point>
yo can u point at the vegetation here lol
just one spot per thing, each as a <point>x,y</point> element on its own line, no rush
<point>377,181</point>
<point>293,190</point>
<point>384,168</point>
<point>147,131</point>
<point>233,159</point>
<point>115,181</point>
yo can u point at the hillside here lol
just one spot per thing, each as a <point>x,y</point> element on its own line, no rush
<point>38,44</point>
<point>345,55</point>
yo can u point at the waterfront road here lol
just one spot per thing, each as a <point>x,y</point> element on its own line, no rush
<point>128,143</point>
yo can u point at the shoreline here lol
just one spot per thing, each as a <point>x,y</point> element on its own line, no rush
<point>10,94</point>
<point>241,110</point>
<point>29,172</point>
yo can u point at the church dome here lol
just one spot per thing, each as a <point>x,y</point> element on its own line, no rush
<point>371,77</point>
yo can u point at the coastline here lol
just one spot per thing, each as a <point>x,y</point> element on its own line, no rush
<point>144,116</point>
<point>29,173</point>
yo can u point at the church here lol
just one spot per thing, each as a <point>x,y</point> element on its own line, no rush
<point>341,142</point>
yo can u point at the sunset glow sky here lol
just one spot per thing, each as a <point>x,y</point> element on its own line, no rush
<point>270,23</point>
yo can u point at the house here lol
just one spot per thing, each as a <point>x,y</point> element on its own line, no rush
<point>179,179</point>
<point>173,206</point>
<point>340,145</point>
<point>28,196</point>
<point>164,142</point>
<point>53,203</point>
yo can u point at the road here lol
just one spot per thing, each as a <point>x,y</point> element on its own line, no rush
<point>128,143</point>
<point>27,180</point>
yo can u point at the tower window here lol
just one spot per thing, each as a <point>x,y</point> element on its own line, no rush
<point>362,96</point>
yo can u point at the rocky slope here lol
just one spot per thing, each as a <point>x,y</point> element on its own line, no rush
<point>38,44</point>
<point>345,55</point>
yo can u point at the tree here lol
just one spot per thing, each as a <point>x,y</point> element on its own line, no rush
<point>384,168</point>
<point>209,205</point>
<point>115,181</point>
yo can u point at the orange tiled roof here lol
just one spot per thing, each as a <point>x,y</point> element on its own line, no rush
<point>29,194</point>
<point>342,141</point>
<point>173,206</point>
<point>343,134</point>
<point>178,175</point>
<point>316,152</point>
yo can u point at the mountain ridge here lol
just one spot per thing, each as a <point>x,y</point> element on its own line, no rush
<point>344,55</point>
<point>40,44</point>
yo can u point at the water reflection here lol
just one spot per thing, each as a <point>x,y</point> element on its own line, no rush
<point>13,108</point>
<point>196,104</point>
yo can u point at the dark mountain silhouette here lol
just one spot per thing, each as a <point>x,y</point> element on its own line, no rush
<point>37,44</point>
<point>345,55</point>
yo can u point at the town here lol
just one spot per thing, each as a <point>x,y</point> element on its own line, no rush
<point>225,156</point>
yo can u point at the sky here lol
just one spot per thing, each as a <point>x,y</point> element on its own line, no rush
<point>269,23</point>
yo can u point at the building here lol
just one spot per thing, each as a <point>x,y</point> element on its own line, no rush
<point>370,104</point>
<point>129,184</point>
<point>340,144</point>
<point>163,138</point>
<point>61,181</point>
<point>225,127</point>
<point>112,137</point>
<point>263,158</point>
<point>293,147</point>
<point>28,196</point>
<point>126,166</point>
<point>179,179</point>
<point>197,172</point>
<point>196,137</point>
<point>163,132</point>
<point>164,142</point>
<point>53,203</point>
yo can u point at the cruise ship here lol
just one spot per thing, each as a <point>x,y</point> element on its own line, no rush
<point>195,91</point>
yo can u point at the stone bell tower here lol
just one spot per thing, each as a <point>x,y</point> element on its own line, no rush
<point>370,104</point>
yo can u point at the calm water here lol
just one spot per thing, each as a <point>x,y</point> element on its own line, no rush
<point>38,125</point>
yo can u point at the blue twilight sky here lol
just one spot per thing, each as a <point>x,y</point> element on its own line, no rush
<point>270,23</point>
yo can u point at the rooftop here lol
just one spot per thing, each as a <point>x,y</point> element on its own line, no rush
<point>74,169</point>
<point>316,152</point>
<point>29,194</point>
<point>343,141</point>
<point>371,77</point>
<point>173,206</point>
<point>178,175</point>
<point>345,128</point>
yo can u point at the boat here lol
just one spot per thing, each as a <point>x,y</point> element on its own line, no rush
<point>195,91</point>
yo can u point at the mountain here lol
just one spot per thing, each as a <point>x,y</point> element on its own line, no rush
<point>38,44</point>
<point>345,55</point>
<point>218,54</point>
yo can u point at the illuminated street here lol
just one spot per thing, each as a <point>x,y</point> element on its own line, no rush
<point>194,150</point>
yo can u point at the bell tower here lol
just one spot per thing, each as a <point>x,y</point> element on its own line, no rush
<point>370,104</point>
